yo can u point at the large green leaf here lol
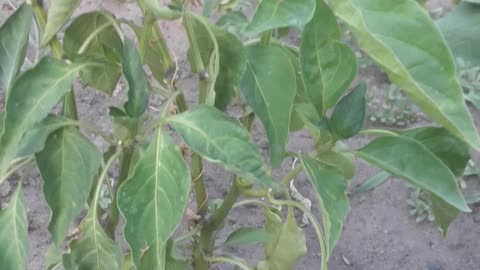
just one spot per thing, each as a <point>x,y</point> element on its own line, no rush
<point>331,187</point>
<point>138,87</point>
<point>104,46</point>
<point>272,14</point>
<point>286,244</point>
<point>388,31</point>
<point>328,65</point>
<point>454,153</point>
<point>269,86</point>
<point>461,31</point>
<point>58,13</point>
<point>412,161</point>
<point>67,165</point>
<point>14,40</point>
<point>33,95</point>
<point>93,250</point>
<point>34,139</point>
<point>14,233</point>
<point>221,139</point>
<point>154,199</point>
<point>448,148</point>
<point>349,114</point>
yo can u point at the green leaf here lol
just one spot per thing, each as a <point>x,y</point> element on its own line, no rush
<point>331,187</point>
<point>246,236</point>
<point>342,162</point>
<point>154,199</point>
<point>372,183</point>
<point>272,14</point>
<point>53,258</point>
<point>444,214</point>
<point>161,12</point>
<point>138,87</point>
<point>93,250</point>
<point>173,261</point>
<point>58,13</point>
<point>349,114</point>
<point>14,40</point>
<point>2,123</point>
<point>423,67</point>
<point>269,86</point>
<point>14,233</point>
<point>34,139</point>
<point>124,127</point>
<point>224,140</point>
<point>33,95</point>
<point>460,30</point>
<point>67,166</point>
<point>413,161</point>
<point>286,244</point>
<point>233,22</point>
<point>449,149</point>
<point>328,65</point>
<point>104,47</point>
<point>233,63</point>
<point>154,52</point>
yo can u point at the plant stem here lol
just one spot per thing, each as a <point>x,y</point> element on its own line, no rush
<point>69,103</point>
<point>286,180</point>
<point>113,216</point>
<point>206,242</point>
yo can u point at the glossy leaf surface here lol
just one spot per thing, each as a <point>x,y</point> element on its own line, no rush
<point>154,199</point>
<point>223,140</point>
<point>14,233</point>
<point>412,161</point>
<point>423,67</point>
<point>328,66</point>
<point>138,87</point>
<point>67,165</point>
<point>272,14</point>
<point>13,41</point>
<point>349,114</point>
<point>32,97</point>
<point>58,13</point>
<point>269,86</point>
<point>331,187</point>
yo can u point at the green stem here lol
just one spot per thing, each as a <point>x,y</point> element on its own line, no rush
<point>146,34</point>
<point>102,177</point>
<point>69,104</point>
<point>113,216</point>
<point>206,242</point>
<point>286,180</point>
<point>16,168</point>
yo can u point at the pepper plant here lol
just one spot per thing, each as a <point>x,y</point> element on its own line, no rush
<point>288,87</point>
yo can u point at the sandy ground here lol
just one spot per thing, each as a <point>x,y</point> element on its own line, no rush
<point>378,233</point>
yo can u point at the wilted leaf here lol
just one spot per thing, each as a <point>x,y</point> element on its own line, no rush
<point>14,233</point>
<point>269,86</point>
<point>32,97</point>
<point>58,13</point>
<point>67,165</point>
<point>138,87</point>
<point>328,65</point>
<point>221,139</point>
<point>14,40</point>
<point>412,161</point>
<point>286,244</point>
<point>272,14</point>
<point>423,67</point>
<point>154,199</point>
<point>349,114</point>
<point>331,187</point>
